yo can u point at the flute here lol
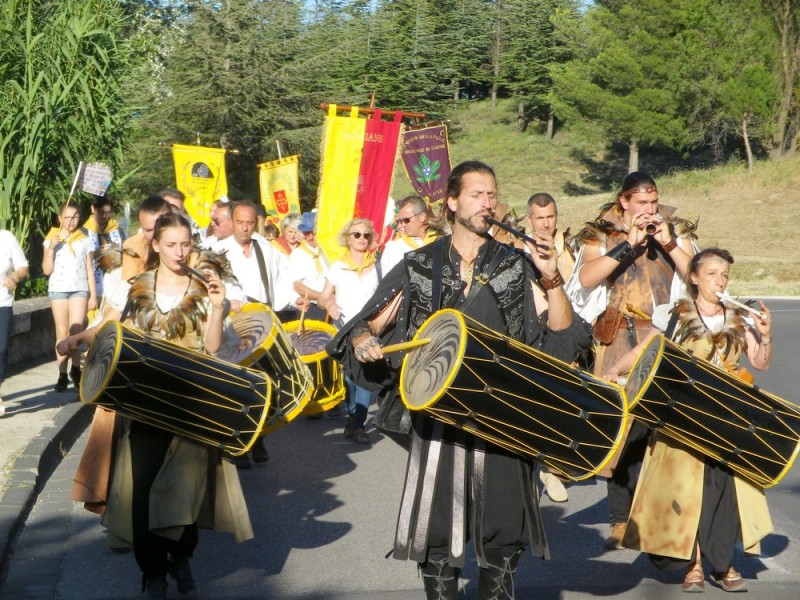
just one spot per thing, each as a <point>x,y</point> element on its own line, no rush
<point>515,232</point>
<point>726,298</point>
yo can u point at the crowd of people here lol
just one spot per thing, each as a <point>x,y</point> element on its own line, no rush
<point>593,300</point>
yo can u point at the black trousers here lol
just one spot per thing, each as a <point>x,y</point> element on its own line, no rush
<point>622,483</point>
<point>148,449</point>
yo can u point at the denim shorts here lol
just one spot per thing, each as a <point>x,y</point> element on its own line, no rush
<point>67,295</point>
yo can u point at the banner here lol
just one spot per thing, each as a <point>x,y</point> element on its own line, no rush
<point>426,160</point>
<point>94,178</point>
<point>356,174</point>
<point>280,190</point>
<point>200,174</point>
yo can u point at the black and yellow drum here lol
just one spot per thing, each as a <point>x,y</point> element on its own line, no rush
<point>190,394</point>
<point>513,395</point>
<point>714,412</point>
<point>266,347</point>
<point>329,389</point>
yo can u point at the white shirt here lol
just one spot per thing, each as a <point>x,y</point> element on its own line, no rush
<point>69,266</point>
<point>394,251</point>
<point>303,267</point>
<point>11,259</point>
<point>245,268</point>
<point>352,290</point>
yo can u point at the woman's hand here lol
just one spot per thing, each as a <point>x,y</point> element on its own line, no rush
<point>764,321</point>
<point>215,288</point>
<point>9,283</point>
<point>92,303</point>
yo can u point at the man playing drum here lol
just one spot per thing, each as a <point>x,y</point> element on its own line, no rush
<point>494,284</point>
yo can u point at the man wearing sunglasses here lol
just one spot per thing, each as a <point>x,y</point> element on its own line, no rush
<point>457,486</point>
<point>413,230</point>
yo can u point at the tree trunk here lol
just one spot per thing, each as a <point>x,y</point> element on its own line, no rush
<point>522,122</point>
<point>748,150</point>
<point>633,156</point>
<point>551,126</point>
<point>496,54</point>
<point>784,15</point>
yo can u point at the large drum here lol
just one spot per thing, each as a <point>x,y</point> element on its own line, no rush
<point>328,378</point>
<point>721,416</point>
<point>513,395</point>
<point>190,394</point>
<point>266,347</point>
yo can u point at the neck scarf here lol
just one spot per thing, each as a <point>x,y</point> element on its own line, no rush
<point>73,237</point>
<point>369,260</point>
<point>315,253</point>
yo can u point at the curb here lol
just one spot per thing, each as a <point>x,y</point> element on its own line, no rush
<point>32,470</point>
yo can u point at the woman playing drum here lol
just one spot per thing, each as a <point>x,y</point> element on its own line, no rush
<point>165,486</point>
<point>688,505</point>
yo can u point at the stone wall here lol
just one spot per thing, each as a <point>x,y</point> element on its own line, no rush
<point>33,335</point>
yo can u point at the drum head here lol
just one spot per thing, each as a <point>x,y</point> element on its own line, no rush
<point>101,359</point>
<point>310,343</point>
<point>255,325</point>
<point>428,371</point>
<point>644,369</point>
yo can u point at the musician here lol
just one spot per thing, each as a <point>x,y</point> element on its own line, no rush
<point>542,215</point>
<point>103,232</point>
<point>437,521</point>
<point>136,248</point>
<point>637,252</point>
<point>716,506</point>
<point>413,228</point>
<point>167,471</point>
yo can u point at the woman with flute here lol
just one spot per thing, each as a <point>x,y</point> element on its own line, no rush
<point>710,507</point>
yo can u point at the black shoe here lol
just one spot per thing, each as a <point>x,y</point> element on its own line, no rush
<point>349,426</point>
<point>75,375</point>
<point>63,382</point>
<point>243,462</point>
<point>181,572</point>
<point>156,588</point>
<point>360,436</point>
<point>259,452</point>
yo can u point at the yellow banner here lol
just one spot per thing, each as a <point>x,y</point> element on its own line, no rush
<point>343,142</point>
<point>280,192</point>
<point>200,174</point>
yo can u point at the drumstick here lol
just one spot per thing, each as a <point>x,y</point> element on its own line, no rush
<point>632,309</point>
<point>726,298</point>
<point>410,345</point>
<point>300,327</point>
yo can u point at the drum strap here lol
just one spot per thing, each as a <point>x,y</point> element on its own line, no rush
<point>485,276</point>
<point>262,267</point>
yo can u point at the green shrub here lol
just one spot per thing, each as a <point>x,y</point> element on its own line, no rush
<point>32,287</point>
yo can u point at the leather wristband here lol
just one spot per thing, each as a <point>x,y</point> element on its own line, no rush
<point>549,284</point>
<point>622,252</point>
<point>670,245</point>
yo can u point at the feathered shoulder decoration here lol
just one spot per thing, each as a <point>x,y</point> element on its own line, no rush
<point>729,341</point>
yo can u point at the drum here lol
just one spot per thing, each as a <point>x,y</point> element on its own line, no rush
<point>266,347</point>
<point>721,416</point>
<point>190,394</point>
<point>328,378</point>
<point>513,395</point>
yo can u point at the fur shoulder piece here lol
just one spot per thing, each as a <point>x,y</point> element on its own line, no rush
<point>730,341</point>
<point>174,324</point>
<point>110,258</point>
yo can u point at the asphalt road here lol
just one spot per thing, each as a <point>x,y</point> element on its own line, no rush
<point>324,511</point>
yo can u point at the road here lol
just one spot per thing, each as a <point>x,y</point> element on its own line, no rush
<point>324,510</point>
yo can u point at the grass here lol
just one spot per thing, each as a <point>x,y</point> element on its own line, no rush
<point>753,215</point>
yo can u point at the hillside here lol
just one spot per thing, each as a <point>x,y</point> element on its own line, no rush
<point>754,215</point>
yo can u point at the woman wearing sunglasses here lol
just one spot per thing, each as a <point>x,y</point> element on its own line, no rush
<point>350,282</point>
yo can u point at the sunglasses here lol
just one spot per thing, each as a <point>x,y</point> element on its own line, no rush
<point>407,220</point>
<point>358,234</point>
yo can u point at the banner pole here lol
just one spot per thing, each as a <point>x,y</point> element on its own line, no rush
<point>278,144</point>
<point>74,185</point>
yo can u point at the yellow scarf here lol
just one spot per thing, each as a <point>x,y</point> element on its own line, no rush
<point>73,237</point>
<point>92,226</point>
<point>415,243</point>
<point>369,260</point>
<point>315,253</point>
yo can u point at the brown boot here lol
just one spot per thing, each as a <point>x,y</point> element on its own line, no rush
<point>614,541</point>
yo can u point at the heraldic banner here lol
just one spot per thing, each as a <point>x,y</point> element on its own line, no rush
<point>357,164</point>
<point>200,174</point>
<point>426,160</point>
<point>278,182</point>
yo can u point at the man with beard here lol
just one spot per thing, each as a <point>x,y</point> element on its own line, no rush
<point>493,284</point>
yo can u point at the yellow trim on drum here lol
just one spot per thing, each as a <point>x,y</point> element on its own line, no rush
<point>292,327</point>
<point>788,466</point>
<point>454,368</point>
<point>661,341</point>
<point>111,366</point>
<point>257,353</point>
